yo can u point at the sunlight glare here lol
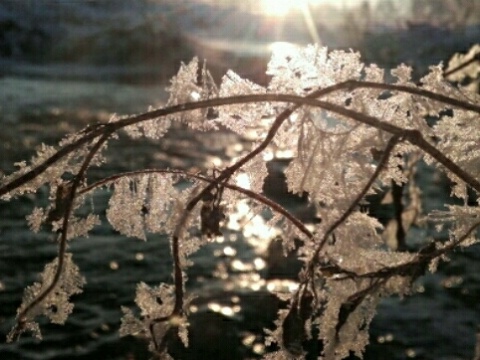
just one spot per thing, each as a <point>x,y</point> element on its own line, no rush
<point>281,8</point>
<point>276,7</point>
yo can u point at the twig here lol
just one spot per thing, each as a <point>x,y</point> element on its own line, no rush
<point>96,131</point>
<point>62,246</point>
<point>415,137</point>
<point>380,167</point>
<point>424,256</point>
<point>356,84</point>
<point>251,194</point>
<point>224,175</point>
<point>463,65</point>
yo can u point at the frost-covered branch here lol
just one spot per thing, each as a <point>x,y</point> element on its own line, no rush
<point>349,134</point>
<point>23,317</point>
<point>93,132</point>
<point>249,193</point>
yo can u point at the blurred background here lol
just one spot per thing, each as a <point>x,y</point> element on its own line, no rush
<point>67,63</point>
<point>142,41</point>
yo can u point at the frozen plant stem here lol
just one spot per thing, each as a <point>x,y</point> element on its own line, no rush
<point>62,241</point>
<point>96,131</point>
<point>341,305</point>
<point>380,167</point>
<point>251,194</point>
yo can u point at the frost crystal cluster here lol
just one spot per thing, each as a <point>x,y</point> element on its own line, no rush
<point>352,130</point>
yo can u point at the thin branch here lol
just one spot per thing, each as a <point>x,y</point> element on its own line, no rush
<point>62,246</point>
<point>251,194</point>
<point>95,131</point>
<point>222,177</point>
<point>425,255</point>
<point>380,167</point>
<point>91,132</point>
<point>355,84</point>
<point>462,66</point>
<point>415,137</point>
<point>178,277</point>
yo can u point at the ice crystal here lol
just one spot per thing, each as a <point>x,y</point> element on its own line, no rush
<point>241,118</point>
<point>313,67</point>
<point>36,218</point>
<point>160,195</point>
<point>56,306</point>
<point>256,172</point>
<point>189,85</point>
<point>125,211</point>
<point>156,319</point>
<point>472,70</point>
<point>152,129</point>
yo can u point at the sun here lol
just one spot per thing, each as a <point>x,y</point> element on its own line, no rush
<point>276,7</point>
<point>280,8</point>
